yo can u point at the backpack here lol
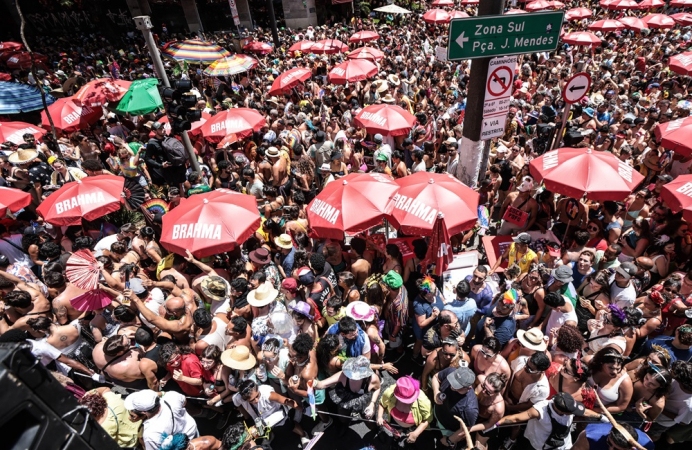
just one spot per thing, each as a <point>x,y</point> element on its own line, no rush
<point>175,151</point>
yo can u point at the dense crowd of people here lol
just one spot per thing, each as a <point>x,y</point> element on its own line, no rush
<point>290,334</point>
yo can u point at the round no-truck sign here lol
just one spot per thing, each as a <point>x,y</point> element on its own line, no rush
<point>499,81</point>
<point>576,87</point>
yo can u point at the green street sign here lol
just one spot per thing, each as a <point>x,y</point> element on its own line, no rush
<point>504,35</point>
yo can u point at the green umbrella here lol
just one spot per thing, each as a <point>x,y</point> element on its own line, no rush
<point>142,98</point>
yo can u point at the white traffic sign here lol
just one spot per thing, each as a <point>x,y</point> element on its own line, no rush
<point>493,126</point>
<point>500,77</point>
<point>494,107</point>
<point>577,87</point>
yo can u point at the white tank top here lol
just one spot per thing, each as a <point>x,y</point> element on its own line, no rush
<point>218,337</point>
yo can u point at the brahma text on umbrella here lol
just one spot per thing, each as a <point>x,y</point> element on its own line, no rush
<point>325,210</point>
<point>75,116</point>
<point>685,189</point>
<point>374,117</point>
<point>197,231</point>
<point>226,125</point>
<point>412,206</point>
<point>80,200</point>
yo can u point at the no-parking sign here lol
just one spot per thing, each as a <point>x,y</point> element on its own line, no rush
<point>498,86</point>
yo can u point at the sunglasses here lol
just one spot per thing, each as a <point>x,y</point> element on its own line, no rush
<point>486,354</point>
<point>528,369</point>
<point>486,390</point>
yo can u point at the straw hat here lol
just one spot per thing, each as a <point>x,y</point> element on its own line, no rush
<point>283,241</point>
<point>388,99</point>
<point>532,339</point>
<point>23,156</point>
<point>238,358</point>
<point>394,79</point>
<point>359,310</point>
<point>262,296</point>
<point>381,85</point>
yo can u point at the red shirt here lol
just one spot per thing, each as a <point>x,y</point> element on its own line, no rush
<point>191,368</point>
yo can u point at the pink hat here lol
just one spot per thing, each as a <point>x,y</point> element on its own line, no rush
<point>407,390</point>
<point>290,284</point>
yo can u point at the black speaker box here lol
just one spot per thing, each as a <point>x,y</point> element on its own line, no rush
<point>37,413</point>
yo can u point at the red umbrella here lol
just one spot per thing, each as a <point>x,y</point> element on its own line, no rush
<point>578,14</point>
<point>423,195</point>
<point>301,46</point>
<point>15,131</point>
<point>633,23</point>
<point>351,71</point>
<point>606,25</point>
<point>370,53</point>
<point>210,223</point>
<point>440,249</point>
<point>581,38</point>
<point>92,300</point>
<point>195,127</point>
<point>351,204</point>
<point>364,36</point>
<point>228,140</point>
<point>436,16</point>
<point>288,80</point>
<point>241,121</point>
<point>469,2</point>
<point>619,4</point>
<point>258,47</point>
<point>98,92</point>
<point>578,171</point>
<point>89,198</point>
<point>554,4</point>
<point>538,5</point>
<point>69,115</point>
<point>329,47</point>
<point>649,4</point>
<point>684,19</point>
<point>443,3</point>
<point>676,135</point>
<point>681,3</point>
<point>681,63</point>
<point>458,15</point>
<point>9,46</point>
<point>659,21</point>
<point>22,60</point>
<point>13,199</point>
<point>390,120</point>
<point>516,11</point>
<point>678,196</point>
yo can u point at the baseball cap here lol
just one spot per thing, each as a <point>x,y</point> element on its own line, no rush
<point>627,270</point>
<point>143,400</point>
<point>378,138</point>
<point>565,403</point>
<point>501,149</point>
<point>461,378</point>
<point>665,178</point>
<point>522,238</point>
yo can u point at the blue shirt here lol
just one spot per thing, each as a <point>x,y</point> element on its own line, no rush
<point>464,310</point>
<point>578,278</point>
<point>483,298</point>
<point>504,328</point>
<point>287,261</point>
<point>421,307</point>
<point>465,406</point>
<point>667,343</point>
<point>597,435</point>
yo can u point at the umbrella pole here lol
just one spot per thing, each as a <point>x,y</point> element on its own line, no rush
<point>33,71</point>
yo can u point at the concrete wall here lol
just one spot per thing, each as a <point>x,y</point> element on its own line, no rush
<point>299,13</point>
<point>243,7</point>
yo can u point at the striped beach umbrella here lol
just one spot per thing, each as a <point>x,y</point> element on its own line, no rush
<point>230,66</point>
<point>17,98</point>
<point>194,50</point>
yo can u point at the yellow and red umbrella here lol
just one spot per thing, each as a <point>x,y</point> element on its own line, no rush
<point>194,50</point>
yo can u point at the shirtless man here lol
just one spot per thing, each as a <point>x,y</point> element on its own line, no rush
<point>62,308</point>
<point>240,332</point>
<point>119,361</point>
<point>177,270</point>
<point>529,384</point>
<point>280,178</point>
<point>18,307</point>
<point>264,170</point>
<point>491,406</point>
<point>175,319</point>
<point>360,267</point>
<point>303,363</point>
<point>486,359</point>
<point>521,200</point>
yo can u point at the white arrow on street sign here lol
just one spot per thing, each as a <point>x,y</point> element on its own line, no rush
<point>461,39</point>
<point>493,126</point>
<point>577,87</point>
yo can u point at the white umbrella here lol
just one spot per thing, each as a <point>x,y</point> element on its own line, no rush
<point>392,9</point>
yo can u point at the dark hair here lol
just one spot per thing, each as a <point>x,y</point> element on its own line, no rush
<point>246,387</point>
<point>463,289</point>
<point>260,277</point>
<point>554,299</point>
<point>211,352</point>
<point>621,441</point>
<point>30,239</point>
<point>581,237</point>
<point>144,336</point>
<point>358,245</point>
<point>541,361</point>
<point>49,250</point>
<point>604,356</point>
<point>83,242</point>
<point>347,278</point>
<point>147,233</point>
<point>482,269</point>
<point>662,376</point>
<point>492,343</point>
<point>420,248</point>
<point>18,299</point>
<point>239,324</point>
<point>682,372</point>
<point>53,279</point>
<point>123,314</point>
<point>95,403</point>
<point>114,345</point>
<point>202,318</point>
<point>168,350</point>
<point>317,263</point>
<point>325,348</point>
<point>374,295</point>
<point>39,323</point>
<point>240,285</point>
<point>569,339</point>
<point>497,380</point>
<point>303,344</point>
<point>233,435</point>
<point>347,325</point>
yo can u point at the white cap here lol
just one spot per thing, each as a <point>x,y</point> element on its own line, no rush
<point>143,400</point>
<point>451,140</point>
<point>501,149</point>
